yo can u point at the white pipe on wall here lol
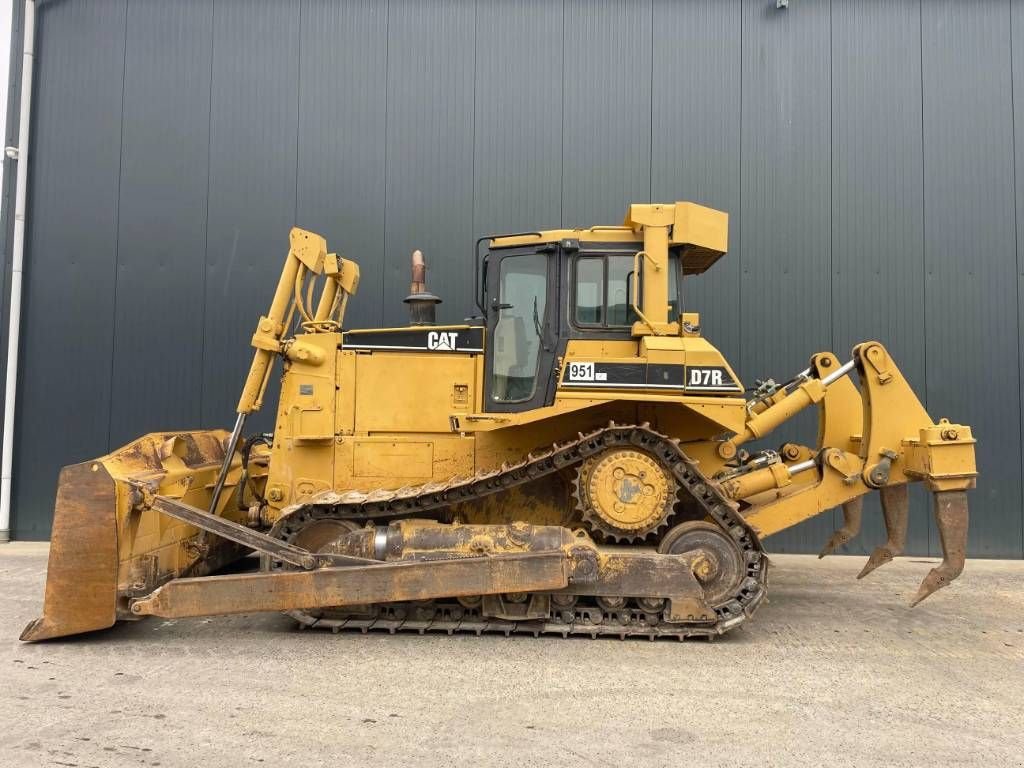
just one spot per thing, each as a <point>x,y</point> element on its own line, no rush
<point>17,260</point>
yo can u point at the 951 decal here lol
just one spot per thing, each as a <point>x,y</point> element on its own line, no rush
<point>585,372</point>
<point>588,374</point>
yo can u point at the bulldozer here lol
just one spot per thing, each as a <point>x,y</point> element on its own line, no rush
<point>574,459</point>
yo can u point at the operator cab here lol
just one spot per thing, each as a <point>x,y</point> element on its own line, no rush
<point>539,290</point>
<point>527,329</point>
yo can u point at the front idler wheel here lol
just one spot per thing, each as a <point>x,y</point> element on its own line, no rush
<point>717,561</point>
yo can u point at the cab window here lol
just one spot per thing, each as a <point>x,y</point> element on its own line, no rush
<point>521,304</point>
<point>603,290</point>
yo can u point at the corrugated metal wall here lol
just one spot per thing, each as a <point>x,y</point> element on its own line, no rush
<point>866,150</point>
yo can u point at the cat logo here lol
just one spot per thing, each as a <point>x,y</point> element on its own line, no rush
<point>442,340</point>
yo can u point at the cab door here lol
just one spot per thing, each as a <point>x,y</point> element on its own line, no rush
<point>520,349</point>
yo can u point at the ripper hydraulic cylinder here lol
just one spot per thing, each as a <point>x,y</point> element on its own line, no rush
<point>760,424</point>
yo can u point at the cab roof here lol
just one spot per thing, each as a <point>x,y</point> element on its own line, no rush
<point>698,232</point>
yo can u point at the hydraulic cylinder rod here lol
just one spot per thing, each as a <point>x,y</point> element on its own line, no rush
<point>760,424</point>
<point>773,476</point>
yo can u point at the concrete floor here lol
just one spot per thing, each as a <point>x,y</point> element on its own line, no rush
<point>831,672</point>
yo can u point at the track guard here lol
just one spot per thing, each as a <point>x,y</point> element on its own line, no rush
<point>81,576</point>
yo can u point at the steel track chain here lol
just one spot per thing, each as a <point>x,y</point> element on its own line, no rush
<point>411,501</point>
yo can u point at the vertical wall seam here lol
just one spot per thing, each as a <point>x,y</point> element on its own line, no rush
<point>832,199</point>
<point>472,132</point>
<point>298,112</point>
<point>476,80</point>
<point>561,128</point>
<point>1016,256</point>
<point>831,186</point>
<point>117,234</point>
<point>387,99</point>
<point>924,237</point>
<point>739,200</point>
<point>924,202</point>
<point>650,145</point>
<point>206,255</point>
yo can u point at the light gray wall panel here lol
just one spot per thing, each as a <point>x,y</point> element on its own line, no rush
<point>695,153</point>
<point>161,244</point>
<point>253,141</point>
<point>517,118</point>
<point>431,49</point>
<point>970,248</point>
<point>785,283</point>
<point>68,321</point>
<point>877,203</point>
<point>606,125</point>
<point>342,107</point>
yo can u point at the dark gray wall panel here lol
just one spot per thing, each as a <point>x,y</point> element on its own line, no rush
<point>253,140</point>
<point>606,125</point>
<point>785,283</point>
<point>970,243</point>
<point>517,120</point>
<point>161,244</point>
<point>695,152</point>
<point>1017,32</point>
<point>68,323</point>
<point>877,202</point>
<point>10,172</point>
<point>342,105</point>
<point>864,150</point>
<point>431,48</point>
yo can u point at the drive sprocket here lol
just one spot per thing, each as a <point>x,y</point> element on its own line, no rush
<point>624,494</point>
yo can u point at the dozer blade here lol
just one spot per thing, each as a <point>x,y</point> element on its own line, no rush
<point>951,519</point>
<point>81,578</point>
<point>896,511</point>
<point>851,526</point>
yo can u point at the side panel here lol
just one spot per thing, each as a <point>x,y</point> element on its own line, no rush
<point>254,105</point>
<point>969,225</point>
<point>878,264</point>
<point>695,152</point>
<point>411,392</point>
<point>453,118</point>
<point>71,242</point>
<point>606,128</point>
<point>342,106</point>
<point>429,175</point>
<point>161,242</point>
<point>394,460</point>
<point>1017,42</point>
<point>302,457</point>
<point>517,100</point>
<point>785,287</point>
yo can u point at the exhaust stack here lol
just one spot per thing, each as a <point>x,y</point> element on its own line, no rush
<point>422,303</point>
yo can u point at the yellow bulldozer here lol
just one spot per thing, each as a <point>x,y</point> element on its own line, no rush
<point>575,460</point>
